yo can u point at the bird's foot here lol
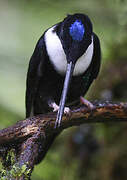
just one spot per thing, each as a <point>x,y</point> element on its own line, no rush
<point>86,102</point>
<point>56,108</point>
<point>66,110</point>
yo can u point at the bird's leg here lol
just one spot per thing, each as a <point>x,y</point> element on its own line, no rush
<point>56,108</point>
<point>86,102</point>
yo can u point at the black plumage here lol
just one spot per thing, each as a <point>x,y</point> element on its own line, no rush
<point>45,82</point>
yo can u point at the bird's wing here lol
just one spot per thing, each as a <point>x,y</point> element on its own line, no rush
<point>93,70</point>
<point>96,60</point>
<point>35,71</point>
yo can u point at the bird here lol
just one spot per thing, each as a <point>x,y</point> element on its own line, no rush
<point>66,60</point>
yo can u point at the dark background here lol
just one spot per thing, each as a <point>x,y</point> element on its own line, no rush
<point>93,152</point>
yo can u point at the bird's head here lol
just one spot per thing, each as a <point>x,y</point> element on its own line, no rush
<point>75,33</point>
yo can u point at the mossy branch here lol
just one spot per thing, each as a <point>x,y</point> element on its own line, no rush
<point>29,138</point>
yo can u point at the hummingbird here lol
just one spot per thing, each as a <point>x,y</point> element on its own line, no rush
<point>64,64</point>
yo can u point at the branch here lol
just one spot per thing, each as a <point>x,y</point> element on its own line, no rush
<point>31,138</point>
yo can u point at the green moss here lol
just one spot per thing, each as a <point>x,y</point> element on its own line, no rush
<point>15,170</point>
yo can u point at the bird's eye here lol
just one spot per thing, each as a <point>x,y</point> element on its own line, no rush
<point>77,30</point>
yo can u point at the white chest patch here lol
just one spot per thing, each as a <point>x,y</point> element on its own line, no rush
<point>58,57</point>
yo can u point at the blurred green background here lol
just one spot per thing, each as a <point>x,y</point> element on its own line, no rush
<point>88,152</point>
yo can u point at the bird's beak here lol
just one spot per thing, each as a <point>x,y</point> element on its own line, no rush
<point>69,72</point>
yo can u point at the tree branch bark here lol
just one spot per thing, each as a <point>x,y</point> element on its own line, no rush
<point>29,137</point>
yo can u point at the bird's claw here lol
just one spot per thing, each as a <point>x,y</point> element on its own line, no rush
<point>56,108</point>
<point>86,102</point>
<point>66,110</point>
